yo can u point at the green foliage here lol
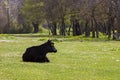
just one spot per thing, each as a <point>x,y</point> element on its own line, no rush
<point>75,60</point>
<point>32,10</point>
<point>20,28</point>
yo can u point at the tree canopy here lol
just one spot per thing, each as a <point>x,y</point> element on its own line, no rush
<point>74,17</point>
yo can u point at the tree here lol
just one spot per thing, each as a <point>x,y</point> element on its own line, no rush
<point>117,12</point>
<point>10,9</point>
<point>82,15</point>
<point>3,21</point>
<point>5,12</point>
<point>33,11</point>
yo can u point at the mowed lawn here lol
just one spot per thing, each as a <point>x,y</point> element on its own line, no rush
<point>75,60</point>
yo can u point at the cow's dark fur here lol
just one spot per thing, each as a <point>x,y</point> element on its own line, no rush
<point>38,53</point>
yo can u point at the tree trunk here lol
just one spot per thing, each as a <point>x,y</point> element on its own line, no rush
<point>96,27</point>
<point>93,28</point>
<point>104,28</point>
<point>62,28</point>
<point>53,28</point>
<point>118,25</point>
<point>93,23</point>
<point>110,25</point>
<point>109,29</point>
<point>76,28</point>
<point>69,29</point>
<point>7,26</point>
<point>117,10</point>
<point>97,31</point>
<point>87,29</point>
<point>73,28</point>
<point>36,27</point>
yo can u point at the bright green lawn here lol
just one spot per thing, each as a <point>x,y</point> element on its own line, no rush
<point>74,60</point>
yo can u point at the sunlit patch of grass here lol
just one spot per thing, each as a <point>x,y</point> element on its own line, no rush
<point>6,37</point>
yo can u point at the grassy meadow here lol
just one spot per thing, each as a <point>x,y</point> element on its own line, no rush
<point>75,60</point>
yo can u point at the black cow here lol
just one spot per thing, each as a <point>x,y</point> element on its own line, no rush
<point>38,53</point>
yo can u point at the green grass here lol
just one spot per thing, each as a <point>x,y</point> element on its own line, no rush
<point>75,60</point>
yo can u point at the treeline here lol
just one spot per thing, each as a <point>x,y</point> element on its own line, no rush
<point>76,16</point>
<point>73,17</point>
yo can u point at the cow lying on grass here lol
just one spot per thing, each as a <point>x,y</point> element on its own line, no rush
<point>38,53</point>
